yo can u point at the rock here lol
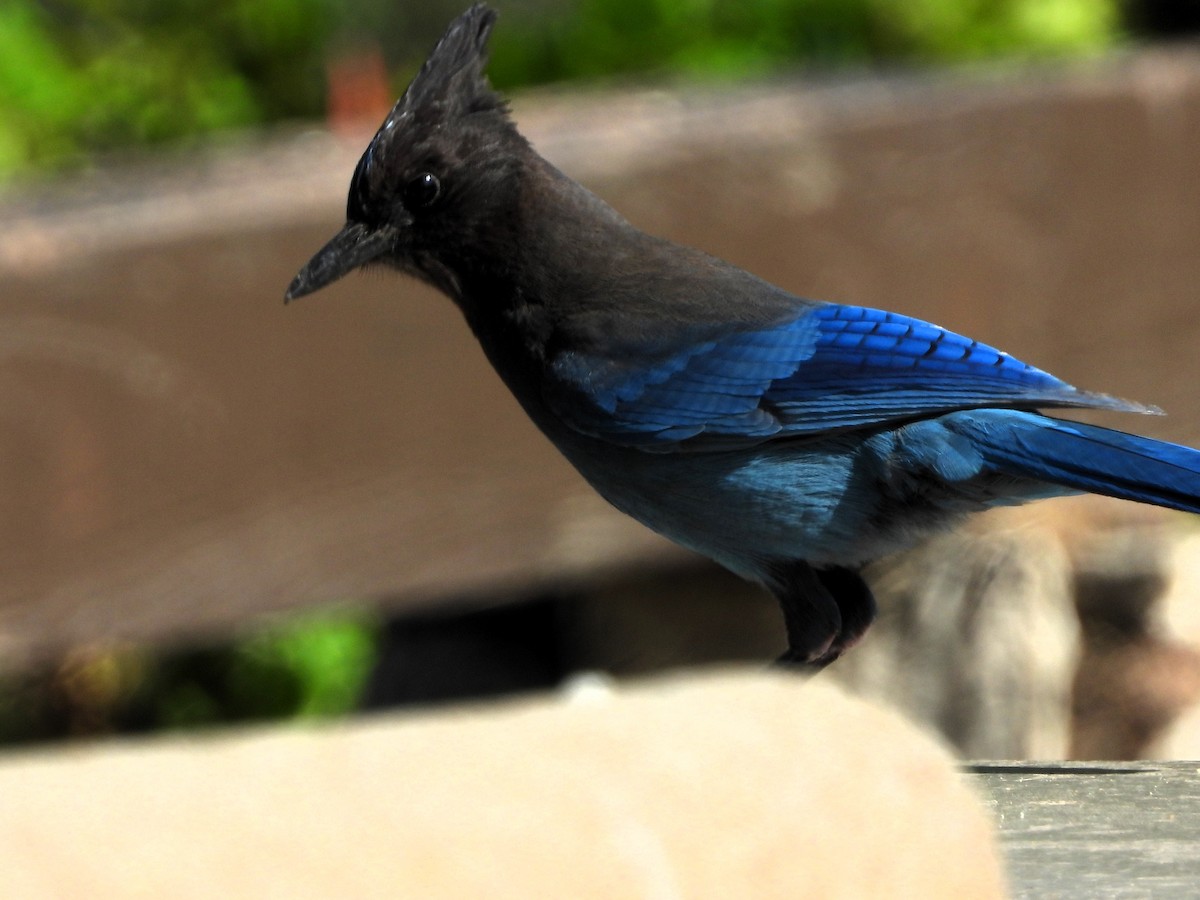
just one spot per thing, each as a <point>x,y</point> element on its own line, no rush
<point>1130,692</point>
<point>1180,739</point>
<point>1179,611</point>
<point>978,639</point>
<point>1136,587</point>
<point>1177,620</point>
<point>729,785</point>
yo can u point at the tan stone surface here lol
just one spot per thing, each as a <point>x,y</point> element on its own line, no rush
<point>737,785</point>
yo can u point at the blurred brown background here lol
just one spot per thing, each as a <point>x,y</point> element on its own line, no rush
<point>182,453</point>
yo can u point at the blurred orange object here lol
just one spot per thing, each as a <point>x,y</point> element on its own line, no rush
<point>359,93</point>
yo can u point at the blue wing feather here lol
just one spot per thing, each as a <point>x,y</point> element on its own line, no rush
<point>830,368</point>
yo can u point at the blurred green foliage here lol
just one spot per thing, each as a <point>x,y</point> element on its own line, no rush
<point>312,666</point>
<point>740,38</point>
<point>82,77</point>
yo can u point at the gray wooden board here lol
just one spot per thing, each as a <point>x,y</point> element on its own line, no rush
<point>1097,829</point>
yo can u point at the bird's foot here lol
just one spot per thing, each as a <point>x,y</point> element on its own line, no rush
<point>806,662</point>
<point>827,611</point>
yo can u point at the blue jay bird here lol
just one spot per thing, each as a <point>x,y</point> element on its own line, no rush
<point>790,440</point>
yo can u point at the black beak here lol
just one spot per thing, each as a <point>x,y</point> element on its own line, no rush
<point>355,245</point>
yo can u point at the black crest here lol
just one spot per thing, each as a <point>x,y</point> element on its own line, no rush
<point>451,81</point>
<point>449,88</point>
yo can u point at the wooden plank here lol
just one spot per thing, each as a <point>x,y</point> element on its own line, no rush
<point>1097,830</point>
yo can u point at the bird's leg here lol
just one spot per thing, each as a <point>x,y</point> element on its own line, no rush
<point>825,611</point>
<point>855,602</point>
<point>810,614</point>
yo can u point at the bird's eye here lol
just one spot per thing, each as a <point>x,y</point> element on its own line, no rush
<point>422,191</point>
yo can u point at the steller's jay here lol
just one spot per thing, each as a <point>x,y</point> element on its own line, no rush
<point>790,440</point>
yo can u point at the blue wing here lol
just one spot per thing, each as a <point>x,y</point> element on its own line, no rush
<point>830,368</point>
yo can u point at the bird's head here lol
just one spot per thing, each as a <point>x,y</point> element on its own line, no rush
<point>435,180</point>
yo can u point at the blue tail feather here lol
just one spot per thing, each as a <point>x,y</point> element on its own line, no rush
<point>1095,459</point>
